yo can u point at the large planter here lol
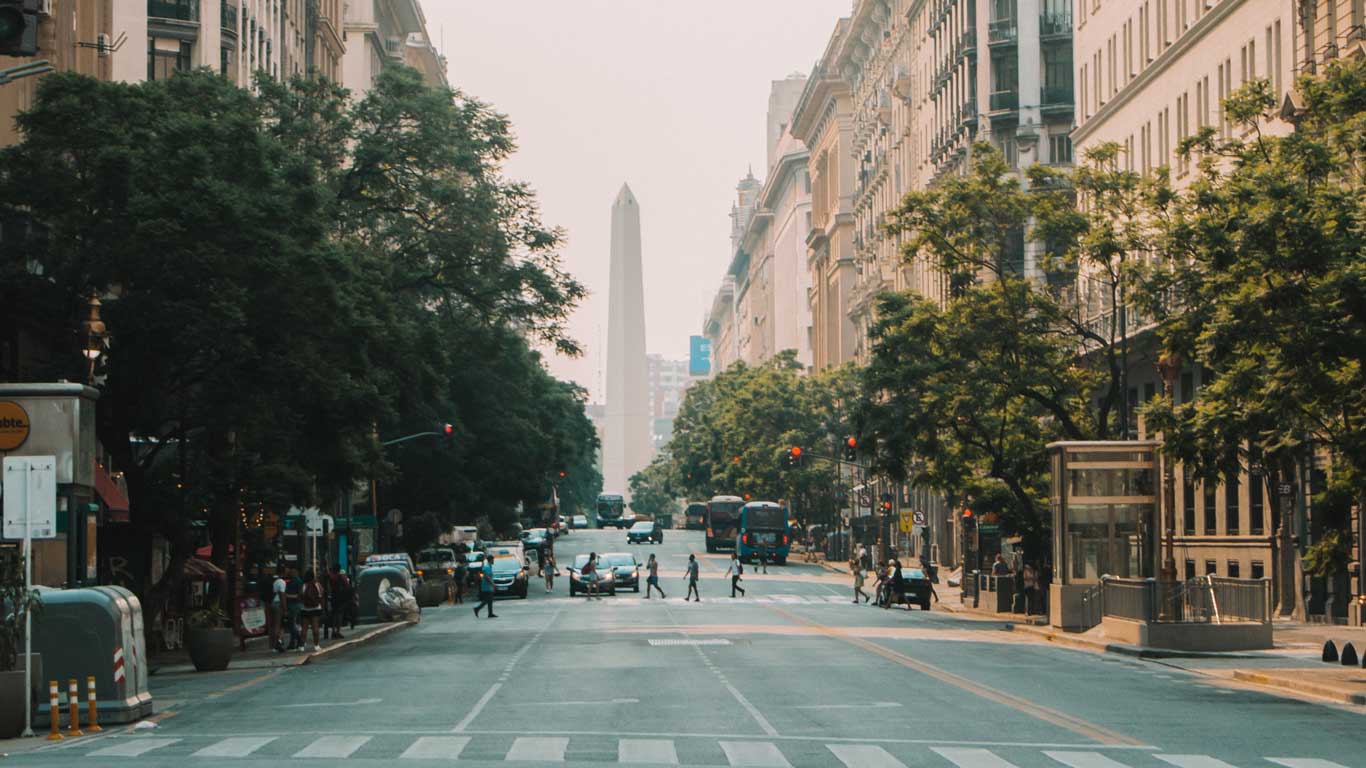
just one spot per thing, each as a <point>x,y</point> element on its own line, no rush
<point>211,648</point>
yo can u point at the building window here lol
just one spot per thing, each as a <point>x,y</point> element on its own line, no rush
<point>1187,505</point>
<point>1258,570</point>
<point>1211,525</point>
<point>1235,569</point>
<point>1060,148</point>
<point>1149,391</point>
<point>1231,510</point>
<point>1190,569</point>
<point>162,63</point>
<point>1255,505</point>
<point>1211,568</point>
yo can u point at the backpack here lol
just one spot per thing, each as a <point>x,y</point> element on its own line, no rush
<point>312,596</point>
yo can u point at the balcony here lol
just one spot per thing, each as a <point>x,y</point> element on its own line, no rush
<point>1057,95</point>
<point>1002,31</point>
<point>1055,25</point>
<point>1005,100</point>
<point>228,18</point>
<point>177,10</point>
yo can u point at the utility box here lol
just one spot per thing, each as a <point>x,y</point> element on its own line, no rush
<point>371,583</point>
<point>96,631</point>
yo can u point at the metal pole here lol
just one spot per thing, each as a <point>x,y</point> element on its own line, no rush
<point>28,627</point>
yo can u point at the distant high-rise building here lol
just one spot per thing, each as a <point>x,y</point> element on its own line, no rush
<point>669,380</point>
<point>626,445</point>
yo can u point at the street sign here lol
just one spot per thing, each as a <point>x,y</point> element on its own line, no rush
<point>30,497</point>
<point>14,425</point>
<point>1284,489</point>
<point>919,518</point>
<point>864,499</point>
<point>907,522</point>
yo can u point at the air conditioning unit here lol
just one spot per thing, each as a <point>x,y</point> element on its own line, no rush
<point>45,7</point>
<point>393,47</point>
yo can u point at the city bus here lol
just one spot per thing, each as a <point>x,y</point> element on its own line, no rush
<point>723,522</point>
<point>764,529</point>
<point>695,517</point>
<point>610,508</point>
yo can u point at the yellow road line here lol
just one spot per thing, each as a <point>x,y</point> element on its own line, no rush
<point>1076,725</point>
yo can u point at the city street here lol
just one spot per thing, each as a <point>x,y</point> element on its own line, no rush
<point>792,675</point>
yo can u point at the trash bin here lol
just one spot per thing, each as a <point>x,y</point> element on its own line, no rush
<point>373,581</point>
<point>96,631</point>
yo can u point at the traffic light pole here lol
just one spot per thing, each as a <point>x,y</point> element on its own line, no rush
<point>28,69</point>
<point>406,438</point>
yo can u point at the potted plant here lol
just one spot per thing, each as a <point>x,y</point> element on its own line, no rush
<point>209,639</point>
<point>16,603</point>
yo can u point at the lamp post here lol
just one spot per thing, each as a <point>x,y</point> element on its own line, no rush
<point>1169,366</point>
<point>94,336</point>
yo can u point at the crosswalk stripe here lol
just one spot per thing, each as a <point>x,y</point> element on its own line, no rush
<point>864,756</point>
<point>1304,762</point>
<point>335,747</point>
<point>235,746</point>
<point>1193,761</point>
<point>1085,760</point>
<point>836,599</point>
<point>972,758</point>
<point>788,598</point>
<point>436,748</point>
<point>549,749</point>
<point>132,747</point>
<point>654,751</point>
<point>754,754</point>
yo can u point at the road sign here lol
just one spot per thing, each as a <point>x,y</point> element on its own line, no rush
<point>865,499</point>
<point>1284,489</point>
<point>919,518</point>
<point>907,522</point>
<point>30,497</point>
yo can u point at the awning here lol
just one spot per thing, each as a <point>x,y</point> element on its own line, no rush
<point>206,551</point>
<point>112,494</point>
<point>196,568</point>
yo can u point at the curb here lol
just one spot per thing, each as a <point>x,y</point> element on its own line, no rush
<point>1314,689</point>
<point>384,629</point>
<point>1135,651</point>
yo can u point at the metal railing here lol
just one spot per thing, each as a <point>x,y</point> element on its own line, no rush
<point>1005,100</point>
<point>1002,31</point>
<point>1060,94</point>
<point>180,10</point>
<point>1055,24</point>
<point>227,17</point>
<point>1201,600</point>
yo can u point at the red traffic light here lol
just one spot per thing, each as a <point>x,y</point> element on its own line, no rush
<point>448,429</point>
<point>796,450</point>
<point>735,460</point>
<point>967,513</point>
<point>747,497</point>
<point>851,442</point>
<point>562,473</point>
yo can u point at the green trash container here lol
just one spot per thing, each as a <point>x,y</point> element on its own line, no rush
<point>370,582</point>
<point>95,631</point>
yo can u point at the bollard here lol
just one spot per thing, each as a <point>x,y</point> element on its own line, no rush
<point>92,719</point>
<point>54,712</point>
<point>1330,651</point>
<point>73,701</point>
<point>1349,655</point>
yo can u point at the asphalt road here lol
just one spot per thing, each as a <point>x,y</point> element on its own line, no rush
<point>791,675</point>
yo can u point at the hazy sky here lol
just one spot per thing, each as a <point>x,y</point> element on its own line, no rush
<point>667,96</point>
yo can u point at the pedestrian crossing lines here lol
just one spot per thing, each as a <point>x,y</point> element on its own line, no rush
<point>623,599</point>
<point>739,752</point>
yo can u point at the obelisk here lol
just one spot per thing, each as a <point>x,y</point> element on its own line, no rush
<point>626,446</point>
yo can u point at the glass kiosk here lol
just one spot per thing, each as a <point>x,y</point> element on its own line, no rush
<point>1103,500</point>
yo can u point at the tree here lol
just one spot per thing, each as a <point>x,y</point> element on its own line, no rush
<point>651,490</point>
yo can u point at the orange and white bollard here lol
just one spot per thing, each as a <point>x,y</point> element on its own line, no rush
<point>92,719</point>
<point>54,712</point>
<point>73,701</point>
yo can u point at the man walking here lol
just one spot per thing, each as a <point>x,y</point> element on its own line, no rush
<point>486,587</point>
<point>856,568</point>
<point>652,578</point>
<point>734,572</point>
<point>692,580</point>
<point>763,558</point>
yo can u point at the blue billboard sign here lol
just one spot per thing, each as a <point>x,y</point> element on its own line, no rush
<point>699,359</point>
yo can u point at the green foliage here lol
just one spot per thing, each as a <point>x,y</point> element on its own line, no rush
<point>15,603</point>
<point>208,617</point>
<point>651,490</point>
<point>1328,556</point>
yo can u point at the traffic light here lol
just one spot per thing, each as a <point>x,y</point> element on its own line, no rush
<point>447,433</point>
<point>563,474</point>
<point>794,456</point>
<point>850,449</point>
<point>969,521</point>
<point>19,27</point>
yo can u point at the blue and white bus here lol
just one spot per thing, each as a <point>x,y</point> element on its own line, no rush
<point>764,531</point>
<point>723,522</point>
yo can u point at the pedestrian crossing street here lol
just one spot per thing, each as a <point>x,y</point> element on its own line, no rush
<point>625,598</point>
<point>688,750</point>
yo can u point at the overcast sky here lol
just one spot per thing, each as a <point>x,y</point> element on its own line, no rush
<point>667,96</point>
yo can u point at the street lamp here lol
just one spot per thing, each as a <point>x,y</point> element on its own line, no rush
<point>1168,367</point>
<point>94,336</point>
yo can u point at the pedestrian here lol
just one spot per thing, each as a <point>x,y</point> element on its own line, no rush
<point>763,558</point>
<point>1031,589</point>
<point>857,569</point>
<point>863,556</point>
<point>691,576</point>
<point>735,570</point>
<point>486,587</point>
<point>293,587</point>
<point>462,575</point>
<point>589,572</point>
<point>548,570</point>
<point>652,577</point>
<point>279,607</point>
<point>896,587</point>
<point>999,566</point>
<point>340,595</point>
<point>311,608</point>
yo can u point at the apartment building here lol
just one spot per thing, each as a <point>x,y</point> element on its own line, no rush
<point>377,34</point>
<point>70,36</point>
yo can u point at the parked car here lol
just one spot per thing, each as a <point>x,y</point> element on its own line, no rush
<point>607,584</point>
<point>915,589</point>
<point>399,559</point>
<point>625,570</point>
<point>580,521</point>
<point>509,576</point>
<point>535,539</point>
<point>645,531</point>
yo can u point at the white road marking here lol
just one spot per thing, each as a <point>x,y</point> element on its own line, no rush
<point>972,758</point>
<point>333,747</point>
<point>870,705</point>
<point>436,748</point>
<point>753,710</point>
<point>1304,762</point>
<point>236,746</point>
<point>478,707</point>
<point>838,599</point>
<point>1085,760</point>
<point>357,702</point>
<point>864,756</point>
<point>573,703</point>
<point>754,754</point>
<point>132,747</point>
<point>548,749</point>
<point>789,598</point>
<point>654,751</point>
<point>1193,761</point>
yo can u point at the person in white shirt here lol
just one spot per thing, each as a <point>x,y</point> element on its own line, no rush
<point>278,604</point>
